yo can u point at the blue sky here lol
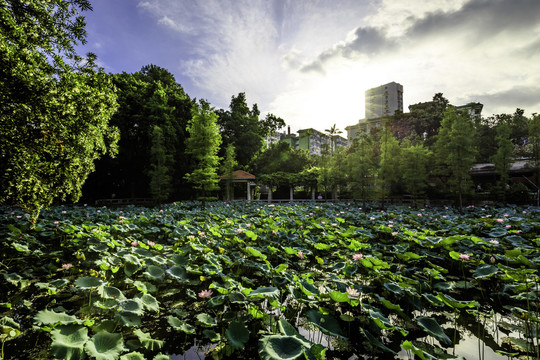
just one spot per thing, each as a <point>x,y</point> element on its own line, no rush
<point>310,61</point>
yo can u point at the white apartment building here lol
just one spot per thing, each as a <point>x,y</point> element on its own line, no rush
<point>383,100</point>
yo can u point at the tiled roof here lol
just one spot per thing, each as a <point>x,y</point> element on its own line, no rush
<point>239,175</point>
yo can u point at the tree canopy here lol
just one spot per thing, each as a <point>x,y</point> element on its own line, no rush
<point>55,106</point>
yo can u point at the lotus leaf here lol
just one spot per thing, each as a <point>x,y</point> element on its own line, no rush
<point>180,325</point>
<point>212,335</point>
<point>68,341</point>
<point>327,323</point>
<point>88,282</point>
<point>133,356</point>
<point>149,302</point>
<point>382,321</point>
<point>111,292</point>
<point>265,292</point>
<point>407,345</point>
<point>134,306</point>
<point>105,346</point>
<point>237,334</point>
<point>485,270</point>
<point>374,341</point>
<point>206,320</point>
<point>432,327</point>
<point>162,357</point>
<point>147,341</point>
<point>49,317</point>
<point>279,347</point>
<point>128,318</point>
<point>154,272</point>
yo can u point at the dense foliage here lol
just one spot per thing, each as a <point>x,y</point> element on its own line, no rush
<point>244,280</point>
<point>54,106</point>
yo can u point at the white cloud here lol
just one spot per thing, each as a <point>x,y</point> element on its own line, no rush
<point>263,48</point>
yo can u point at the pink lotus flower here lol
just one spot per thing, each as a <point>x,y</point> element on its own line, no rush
<point>394,233</point>
<point>508,226</point>
<point>352,292</point>
<point>494,242</point>
<point>191,237</point>
<point>67,266</point>
<point>500,220</point>
<point>202,233</point>
<point>464,256</point>
<point>134,243</point>
<point>205,294</point>
<point>492,259</point>
<point>239,231</point>
<point>151,243</point>
<point>357,256</point>
<point>301,255</point>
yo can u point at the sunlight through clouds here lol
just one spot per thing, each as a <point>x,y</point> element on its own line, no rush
<point>310,62</point>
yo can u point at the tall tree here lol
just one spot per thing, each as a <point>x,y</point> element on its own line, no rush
<point>534,155</point>
<point>228,166</point>
<point>389,162</point>
<point>54,107</point>
<point>203,144</point>
<point>160,171</point>
<point>414,167</point>
<point>455,151</point>
<point>504,156</point>
<point>362,168</point>
<point>147,98</point>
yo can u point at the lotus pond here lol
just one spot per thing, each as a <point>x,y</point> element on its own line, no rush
<point>253,280</point>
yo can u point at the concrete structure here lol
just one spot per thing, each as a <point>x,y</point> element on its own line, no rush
<point>383,100</point>
<point>474,109</point>
<point>315,141</point>
<point>239,176</point>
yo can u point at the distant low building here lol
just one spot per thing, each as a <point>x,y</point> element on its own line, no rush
<point>474,109</point>
<point>315,141</point>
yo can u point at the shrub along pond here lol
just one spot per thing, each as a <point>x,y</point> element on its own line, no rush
<point>248,280</point>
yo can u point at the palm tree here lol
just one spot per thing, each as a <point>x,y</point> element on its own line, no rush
<point>333,132</point>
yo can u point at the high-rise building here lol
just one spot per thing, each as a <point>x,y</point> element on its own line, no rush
<point>383,100</point>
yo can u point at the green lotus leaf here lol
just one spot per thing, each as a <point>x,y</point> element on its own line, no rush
<point>407,345</point>
<point>147,341</point>
<point>154,272</point>
<point>327,323</point>
<point>496,233</point>
<point>179,273</point>
<point>433,300</point>
<point>59,283</point>
<point>212,335</point>
<point>180,325</point>
<point>134,306</point>
<point>105,346</point>
<point>106,304</point>
<point>128,319</point>
<point>266,292</point>
<point>145,287</point>
<point>49,317</point>
<point>309,289</point>
<point>237,334</point>
<point>350,269</point>
<point>453,303</point>
<point>375,341</point>
<point>279,347</point>
<point>162,357</point>
<point>143,252</point>
<point>432,327</point>
<point>216,301</point>
<point>318,352</point>
<point>179,259</point>
<point>111,292</point>
<point>68,341</point>
<point>338,296</point>
<point>131,268</point>
<point>206,320</point>
<point>133,356</point>
<point>237,297</point>
<point>393,287</point>
<point>104,325</point>
<point>88,282</point>
<point>149,302</point>
<point>256,253</point>
<point>382,321</point>
<point>286,328</point>
<point>485,270</point>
